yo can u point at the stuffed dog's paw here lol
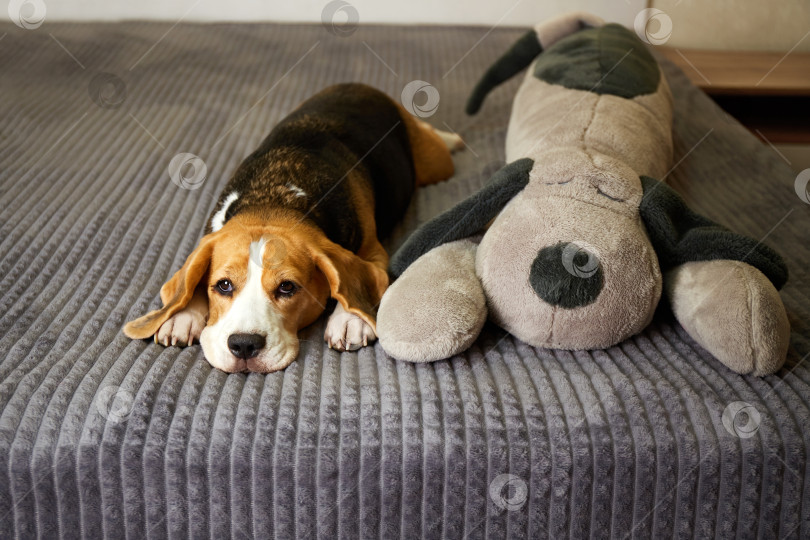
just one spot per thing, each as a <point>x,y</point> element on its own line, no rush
<point>436,308</point>
<point>733,311</point>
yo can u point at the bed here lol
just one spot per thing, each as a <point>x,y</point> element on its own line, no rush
<point>104,436</point>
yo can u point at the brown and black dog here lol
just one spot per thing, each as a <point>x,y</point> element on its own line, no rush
<point>299,222</point>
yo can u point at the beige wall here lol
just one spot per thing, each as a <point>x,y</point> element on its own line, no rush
<point>776,25</point>
<point>766,25</point>
<point>479,12</point>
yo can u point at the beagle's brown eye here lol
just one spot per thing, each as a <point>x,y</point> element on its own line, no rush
<point>287,288</point>
<point>224,286</point>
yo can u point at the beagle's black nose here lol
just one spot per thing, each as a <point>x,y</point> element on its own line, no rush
<point>568,275</point>
<point>245,345</point>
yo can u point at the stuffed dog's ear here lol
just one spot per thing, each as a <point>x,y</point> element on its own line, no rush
<point>680,235</point>
<point>466,218</point>
<point>357,284</point>
<point>176,292</point>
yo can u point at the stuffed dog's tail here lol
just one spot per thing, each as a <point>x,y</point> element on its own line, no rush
<point>507,66</point>
<point>525,50</point>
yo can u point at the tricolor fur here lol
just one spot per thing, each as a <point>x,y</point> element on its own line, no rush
<point>299,223</point>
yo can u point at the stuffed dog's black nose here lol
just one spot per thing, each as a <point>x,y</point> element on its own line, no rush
<point>568,275</point>
<point>245,345</point>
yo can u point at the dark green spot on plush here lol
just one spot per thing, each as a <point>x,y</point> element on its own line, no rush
<point>566,275</point>
<point>605,60</point>
<point>517,58</point>
<point>466,218</point>
<point>680,235</point>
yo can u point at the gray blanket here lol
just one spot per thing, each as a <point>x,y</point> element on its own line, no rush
<point>101,435</point>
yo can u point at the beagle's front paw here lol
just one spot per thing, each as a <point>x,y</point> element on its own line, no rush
<point>345,331</point>
<point>181,329</point>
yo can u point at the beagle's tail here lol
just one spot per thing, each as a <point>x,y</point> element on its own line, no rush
<point>525,50</point>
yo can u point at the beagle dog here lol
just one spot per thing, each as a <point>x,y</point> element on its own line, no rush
<point>299,222</point>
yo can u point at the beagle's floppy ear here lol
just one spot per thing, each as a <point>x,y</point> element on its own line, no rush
<point>176,292</point>
<point>357,284</point>
<point>466,218</point>
<point>680,235</point>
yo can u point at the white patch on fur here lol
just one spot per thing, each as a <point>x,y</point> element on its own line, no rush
<point>252,312</point>
<point>219,218</point>
<point>453,141</point>
<point>297,191</point>
<point>345,331</point>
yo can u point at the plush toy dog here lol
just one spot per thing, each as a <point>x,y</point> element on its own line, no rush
<point>583,239</point>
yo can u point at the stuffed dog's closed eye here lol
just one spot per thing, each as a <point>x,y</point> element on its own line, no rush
<point>583,239</point>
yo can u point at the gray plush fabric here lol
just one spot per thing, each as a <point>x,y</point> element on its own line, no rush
<point>101,435</point>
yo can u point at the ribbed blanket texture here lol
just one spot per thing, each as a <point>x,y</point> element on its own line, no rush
<point>104,436</point>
